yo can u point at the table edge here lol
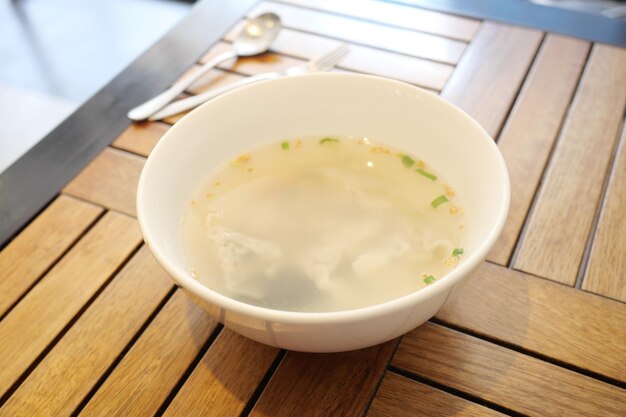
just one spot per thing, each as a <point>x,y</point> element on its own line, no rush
<point>32,182</point>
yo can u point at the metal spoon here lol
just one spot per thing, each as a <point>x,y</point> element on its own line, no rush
<point>254,39</point>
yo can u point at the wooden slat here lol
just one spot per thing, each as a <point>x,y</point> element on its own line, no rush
<point>110,180</point>
<point>532,128</point>
<point>41,244</point>
<point>143,379</point>
<point>73,367</point>
<point>505,377</point>
<point>606,273</point>
<point>486,80</point>
<point>556,321</point>
<point>561,220</point>
<point>338,384</point>
<point>360,59</point>
<point>455,27</point>
<point>401,397</point>
<point>225,379</point>
<point>50,305</point>
<point>140,138</point>
<point>399,40</point>
<point>215,78</point>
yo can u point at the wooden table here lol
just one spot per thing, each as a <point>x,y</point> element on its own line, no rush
<point>91,325</point>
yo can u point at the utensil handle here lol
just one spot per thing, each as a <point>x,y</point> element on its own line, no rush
<point>194,101</point>
<point>145,110</point>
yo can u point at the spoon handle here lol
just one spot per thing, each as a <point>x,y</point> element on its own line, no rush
<point>194,101</point>
<point>145,110</point>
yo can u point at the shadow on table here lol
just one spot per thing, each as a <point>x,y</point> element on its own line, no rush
<point>230,373</point>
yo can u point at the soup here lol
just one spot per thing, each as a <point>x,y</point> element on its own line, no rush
<point>322,224</point>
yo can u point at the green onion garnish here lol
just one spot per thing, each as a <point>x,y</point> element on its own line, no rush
<point>284,145</point>
<point>439,201</point>
<point>326,140</point>
<point>457,252</point>
<point>426,174</point>
<point>429,280</point>
<point>407,161</point>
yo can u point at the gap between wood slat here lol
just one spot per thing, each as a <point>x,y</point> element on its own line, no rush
<point>67,327</point>
<point>179,384</point>
<point>560,221</point>
<point>400,396</point>
<point>123,353</point>
<point>540,315</point>
<point>584,263</point>
<point>499,375</point>
<point>376,389</point>
<point>263,384</point>
<point>509,140</point>
<point>54,263</point>
<point>382,377</point>
<point>140,138</point>
<point>376,48</point>
<point>296,18</point>
<point>305,46</point>
<point>390,23</point>
<point>521,234</point>
<point>340,67</point>
<point>454,391</point>
<point>528,352</point>
<point>491,71</point>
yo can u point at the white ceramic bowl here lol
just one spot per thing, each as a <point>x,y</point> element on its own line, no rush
<point>389,112</point>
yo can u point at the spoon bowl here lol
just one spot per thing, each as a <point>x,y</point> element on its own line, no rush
<point>257,35</point>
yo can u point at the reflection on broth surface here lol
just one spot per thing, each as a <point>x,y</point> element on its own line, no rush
<point>322,224</point>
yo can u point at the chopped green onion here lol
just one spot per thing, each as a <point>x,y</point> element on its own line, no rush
<point>407,161</point>
<point>457,252</point>
<point>326,140</point>
<point>284,145</point>
<point>426,174</point>
<point>429,280</point>
<point>439,201</point>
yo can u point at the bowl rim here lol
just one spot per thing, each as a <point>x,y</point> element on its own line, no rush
<point>184,279</point>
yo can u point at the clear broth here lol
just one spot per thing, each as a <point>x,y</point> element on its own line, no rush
<point>317,225</point>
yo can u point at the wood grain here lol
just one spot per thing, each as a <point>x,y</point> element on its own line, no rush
<point>606,272</point>
<point>532,128</point>
<point>488,77</point>
<point>511,379</point>
<point>140,138</point>
<point>360,59</point>
<point>551,319</point>
<point>50,305</point>
<point>371,34</point>
<point>556,235</point>
<point>401,397</point>
<point>337,384</point>
<point>109,180</point>
<point>422,20</point>
<point>40,245</point>
<point>73,367</point>
<point>143,379</point>
<point>224,380</point>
